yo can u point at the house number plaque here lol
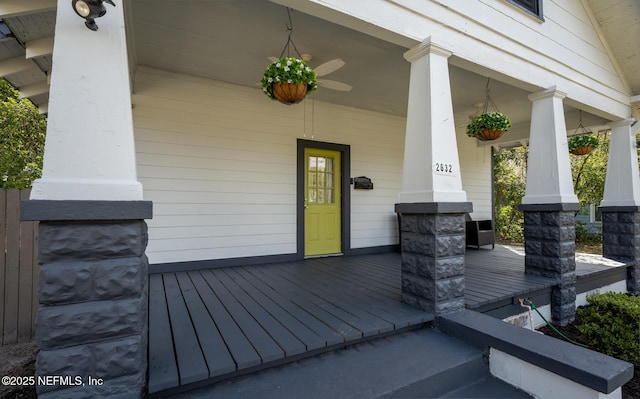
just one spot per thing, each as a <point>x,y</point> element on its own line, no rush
<point>446,169</point>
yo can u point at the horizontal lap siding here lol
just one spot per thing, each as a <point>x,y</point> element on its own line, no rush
<point>377,148</point>
<point>475,165</point>
<point>219,163</point>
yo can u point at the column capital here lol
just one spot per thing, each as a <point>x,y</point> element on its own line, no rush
<point>550,92</point>
<point>428,46</point>
<point>624,122</point>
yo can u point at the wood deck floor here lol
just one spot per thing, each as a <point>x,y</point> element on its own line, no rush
<point>210,325</point>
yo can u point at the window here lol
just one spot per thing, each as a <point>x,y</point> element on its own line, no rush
<point>532,6</point>
<point>321,189</point>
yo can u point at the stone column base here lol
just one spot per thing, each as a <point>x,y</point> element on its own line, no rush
<point>621,240</point>
<point>93,294</point>
<point>432,243</point>
<point>550,247</point>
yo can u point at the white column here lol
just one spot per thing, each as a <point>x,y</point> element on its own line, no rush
<point>622,184</point>
<point>549,172</point>
<point>89,150</point>
<point>431,169</point>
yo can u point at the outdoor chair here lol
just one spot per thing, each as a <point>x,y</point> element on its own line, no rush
<point>479,232</point>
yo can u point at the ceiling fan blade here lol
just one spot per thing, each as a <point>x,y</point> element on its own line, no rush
<point>335,85</point>
<point>273,59</point>
<point>329,66</point>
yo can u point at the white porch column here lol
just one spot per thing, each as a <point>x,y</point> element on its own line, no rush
<point>549,204</point>
<point>622,184</point>
<point>93,291</point>
<point>431,169</point>
<point>89,150</point>
<point>620,206</point>
<point>432,204</point>
<point>549,172</point>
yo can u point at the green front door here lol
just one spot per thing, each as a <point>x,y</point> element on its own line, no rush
<point>322,213</point>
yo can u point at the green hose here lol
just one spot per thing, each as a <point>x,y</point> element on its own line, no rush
<point>533,306</point>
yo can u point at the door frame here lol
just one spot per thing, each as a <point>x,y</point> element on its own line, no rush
<point>345,198</point>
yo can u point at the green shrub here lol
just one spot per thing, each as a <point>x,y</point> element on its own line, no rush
<point>509,224</point>
<point>611,325</point>
<point>585,237</point>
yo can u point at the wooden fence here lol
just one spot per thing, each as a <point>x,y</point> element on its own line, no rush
<point>18,270</point>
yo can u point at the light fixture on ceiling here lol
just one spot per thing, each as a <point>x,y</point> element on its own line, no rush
<point>89,10</point>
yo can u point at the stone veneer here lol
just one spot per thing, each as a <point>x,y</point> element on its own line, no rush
<point>432,243</point>
<point>549,242</point>
<point>93,294</point>
<point>621,240</point>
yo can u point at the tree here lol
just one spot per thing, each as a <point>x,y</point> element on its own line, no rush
<point>510,168</point>
<point>510,165</point>
<point>22,133</point>
<point>589,172</point>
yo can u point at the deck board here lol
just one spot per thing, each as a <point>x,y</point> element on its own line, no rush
<point>223,321</point>
<point>239,346</point>
<point>288,342</point>
<point>218,358</point>
<point>304,334</point>
<point>322,310</point>
<point>163,370</point>
<point>191,364</point>
<point>349,308</point>
<point>266,347</point>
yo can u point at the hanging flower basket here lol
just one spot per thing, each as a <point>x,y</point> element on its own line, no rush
<point>582,144</point>
<point>488,126</point>
<point>288,80</point>
<point>489,134</point>
<point>582,150</point>
<point>289,93</point>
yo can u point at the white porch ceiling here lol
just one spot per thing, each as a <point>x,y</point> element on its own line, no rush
<point>230,40</point>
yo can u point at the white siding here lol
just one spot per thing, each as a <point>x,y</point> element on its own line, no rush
<point>475,165</point>
<point>219,163</point>
<point>496,38</point>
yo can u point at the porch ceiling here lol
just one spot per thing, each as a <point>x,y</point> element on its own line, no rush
<point>230,40</point>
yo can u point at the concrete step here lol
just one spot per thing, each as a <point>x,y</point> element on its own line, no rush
<point>487,387</point>
<point>423,363</point>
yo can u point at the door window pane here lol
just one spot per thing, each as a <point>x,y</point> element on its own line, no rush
<point>320,180</point>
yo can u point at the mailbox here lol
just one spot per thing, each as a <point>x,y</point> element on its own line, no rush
<point>362,183</point>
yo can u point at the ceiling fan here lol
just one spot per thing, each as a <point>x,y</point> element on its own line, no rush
<point>325,69</point>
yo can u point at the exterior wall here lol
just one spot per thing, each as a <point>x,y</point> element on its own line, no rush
<point>219,163</point>
<point>566,50</point>
<point>475,164</point>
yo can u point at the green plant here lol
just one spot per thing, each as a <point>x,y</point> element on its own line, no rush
<point>611,325</point>
<point>22,134</point>
<point>509,224</point>
<point>584,236</point>
<point>488,120</point>
<point>583,140</point>
<point>288,70</point>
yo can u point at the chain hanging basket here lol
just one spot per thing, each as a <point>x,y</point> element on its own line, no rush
<point>582,150</point>
<point>289,93</point>
<point>489,134</point>
<point>582,142</point>
<point>488,125</point>
<point>289,79</point>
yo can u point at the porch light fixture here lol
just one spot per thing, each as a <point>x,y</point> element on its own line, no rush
<point>89,10</point>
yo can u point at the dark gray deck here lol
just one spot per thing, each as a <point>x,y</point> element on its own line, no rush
<point>209,325</point>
